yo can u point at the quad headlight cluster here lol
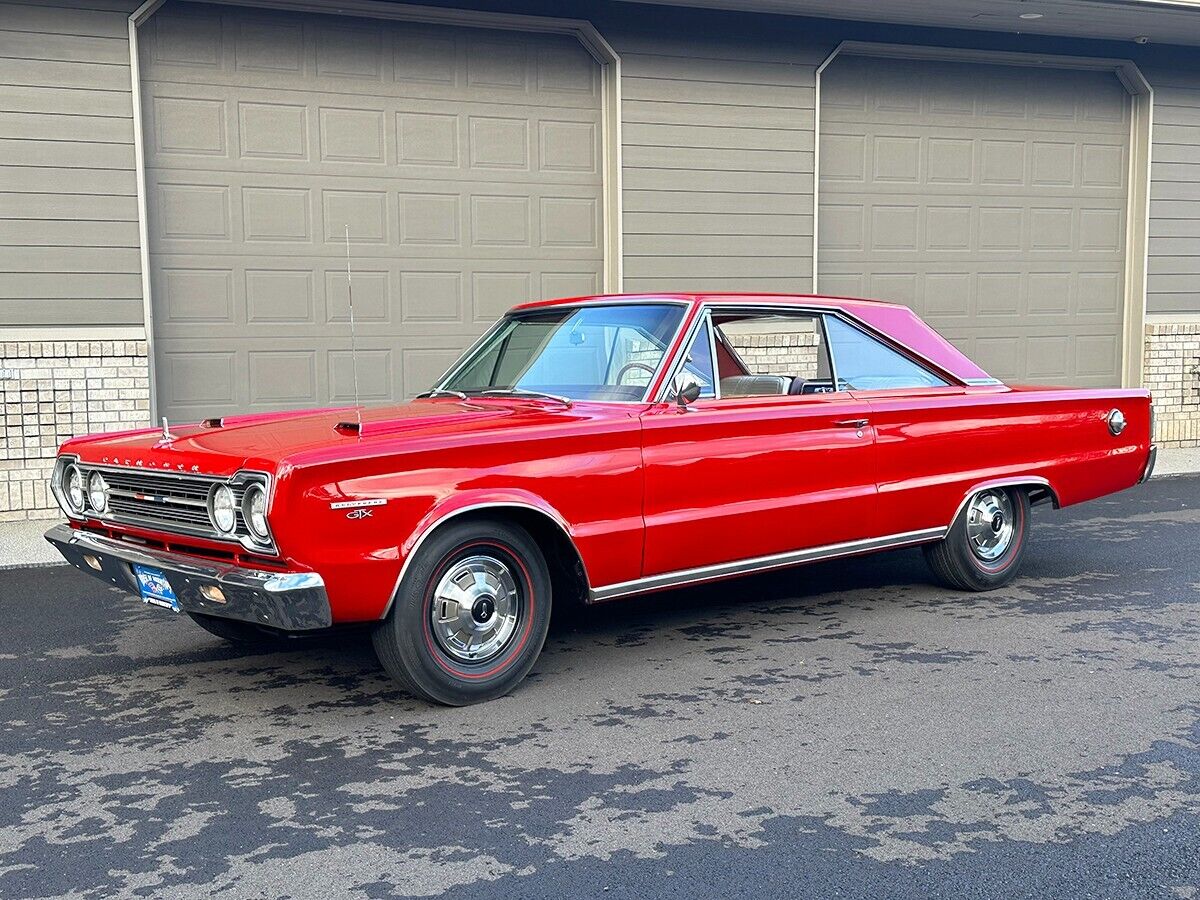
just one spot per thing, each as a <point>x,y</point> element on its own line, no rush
<point>237,508</point>
<point>223,509</point>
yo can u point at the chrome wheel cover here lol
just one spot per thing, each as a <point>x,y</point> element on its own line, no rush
<point>476,609</point>
<point>990,525</point>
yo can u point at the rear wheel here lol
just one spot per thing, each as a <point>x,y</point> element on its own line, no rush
<point>470,618</point>
<point>984,547</point>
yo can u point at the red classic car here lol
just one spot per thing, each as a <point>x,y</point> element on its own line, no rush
<point>592,448</point>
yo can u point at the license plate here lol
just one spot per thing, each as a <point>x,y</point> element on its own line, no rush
<point>155,588</point>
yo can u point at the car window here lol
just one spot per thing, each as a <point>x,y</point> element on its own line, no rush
<point>609,352</point>
<point>764,354</point>
<point>864,363</point>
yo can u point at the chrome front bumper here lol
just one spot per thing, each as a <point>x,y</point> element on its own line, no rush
<point>290,601</point>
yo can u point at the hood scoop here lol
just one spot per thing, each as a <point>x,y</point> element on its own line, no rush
<point>414,418</point>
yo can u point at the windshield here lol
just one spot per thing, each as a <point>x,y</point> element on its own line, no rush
<point>580,352</point>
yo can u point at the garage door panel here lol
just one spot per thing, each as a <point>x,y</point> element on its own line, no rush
<point>332,138</point>
<point>304,53</point>
<point>228,297</point>
<point>290,219</point>
<point>1049,296</point>
<point>465,163</point>
<point>959,93</point>
<point>991,199</point>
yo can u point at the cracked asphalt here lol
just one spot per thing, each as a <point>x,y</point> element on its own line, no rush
<point>842,730</point>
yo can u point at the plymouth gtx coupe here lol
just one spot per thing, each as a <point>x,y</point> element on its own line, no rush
<point>592,448</point>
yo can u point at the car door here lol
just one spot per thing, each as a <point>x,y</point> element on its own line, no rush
<point>934,437</point>
<point>757,471</point>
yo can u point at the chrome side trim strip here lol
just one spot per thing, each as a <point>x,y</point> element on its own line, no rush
<point>762,564</point>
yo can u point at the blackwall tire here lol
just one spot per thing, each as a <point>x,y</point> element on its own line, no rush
<point>470,618</point>
<point>984,547</point>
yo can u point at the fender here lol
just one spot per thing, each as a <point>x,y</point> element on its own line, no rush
<point>473,501</point>
<point>1015,481</point>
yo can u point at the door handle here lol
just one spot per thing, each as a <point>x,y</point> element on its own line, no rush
<point>851,423</point>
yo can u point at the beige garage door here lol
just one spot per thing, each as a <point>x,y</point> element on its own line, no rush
<point>466,163</point>
<point>991,199</point>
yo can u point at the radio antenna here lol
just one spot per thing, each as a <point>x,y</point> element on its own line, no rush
<point>353,342</point>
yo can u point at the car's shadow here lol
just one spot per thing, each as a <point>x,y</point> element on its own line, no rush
<point>897,574</point>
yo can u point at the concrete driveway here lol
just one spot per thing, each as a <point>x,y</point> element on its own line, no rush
<point>838,731</point>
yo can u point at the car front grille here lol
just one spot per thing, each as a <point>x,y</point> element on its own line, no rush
<point>165,501</point>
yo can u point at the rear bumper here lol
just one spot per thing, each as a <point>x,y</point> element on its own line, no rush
<point>289,601</point>
<point>1150,460</point>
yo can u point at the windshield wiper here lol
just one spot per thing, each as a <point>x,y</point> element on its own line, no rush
<point>443,392</point>
<point>523,392</point>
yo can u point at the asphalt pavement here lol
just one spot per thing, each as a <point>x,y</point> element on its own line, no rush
<point>842,730</point>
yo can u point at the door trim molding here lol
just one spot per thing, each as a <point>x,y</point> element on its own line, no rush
<point>1137,202</point>
<point>582,30</point>
<point>762,564</point>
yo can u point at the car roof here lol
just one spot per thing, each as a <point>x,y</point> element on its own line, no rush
<point>894,320</point>
<point>765,299</point>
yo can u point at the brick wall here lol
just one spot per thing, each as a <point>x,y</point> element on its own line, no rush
<point>787,353</point>
<point>1173,375</point>
<point>56,389</point>
<point>53,390</point>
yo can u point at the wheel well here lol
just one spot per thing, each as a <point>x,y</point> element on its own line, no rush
<point>568,577</point>
<point>1040,493</point>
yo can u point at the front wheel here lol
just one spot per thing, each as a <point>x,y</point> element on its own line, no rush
<point>470,618</point>
<point>983,549</point>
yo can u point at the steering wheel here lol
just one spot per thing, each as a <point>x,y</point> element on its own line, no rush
<point>635,365</point>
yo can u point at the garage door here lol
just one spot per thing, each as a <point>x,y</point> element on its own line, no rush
<point>991,199</point>
<point>466,164</point>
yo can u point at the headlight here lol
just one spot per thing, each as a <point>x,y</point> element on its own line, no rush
<point>221,508</point>
<point>98,492</point>
<point>73,488</point>
<point>254,511</point>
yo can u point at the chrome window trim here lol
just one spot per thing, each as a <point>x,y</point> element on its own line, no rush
<point>702,320</point>
<point>679,357</point>
<point>712,354</point>
<point>466,357</point>
<point>833,375</point>
<point>920,359</point>
<point>775,309</point>
<point>762,563</point>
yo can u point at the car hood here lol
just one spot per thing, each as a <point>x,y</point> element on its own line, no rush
<point>263,441</point>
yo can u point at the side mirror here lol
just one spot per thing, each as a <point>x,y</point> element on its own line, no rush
<point>689,393</point>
